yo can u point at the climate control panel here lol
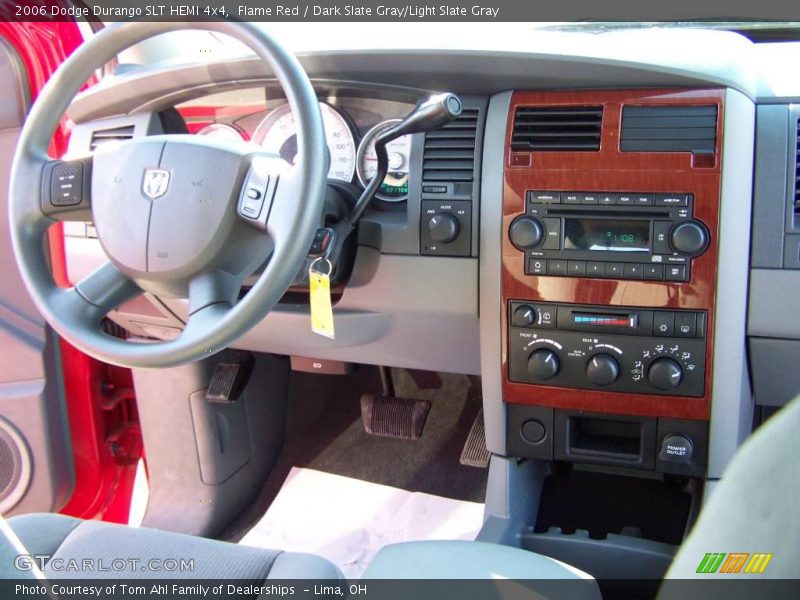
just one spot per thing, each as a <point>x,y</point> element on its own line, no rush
<point>620,349</point>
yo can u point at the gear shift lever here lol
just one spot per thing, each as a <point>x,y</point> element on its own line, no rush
<point>431,114</point>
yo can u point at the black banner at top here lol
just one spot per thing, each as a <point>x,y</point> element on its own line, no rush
<point>399,11</point>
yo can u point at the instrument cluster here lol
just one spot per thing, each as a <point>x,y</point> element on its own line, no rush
<point>351,127</point>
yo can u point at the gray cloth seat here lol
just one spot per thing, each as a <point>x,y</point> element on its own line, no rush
<point>544,576</point>
<point>137,551</point>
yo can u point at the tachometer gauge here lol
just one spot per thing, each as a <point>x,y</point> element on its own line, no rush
<point>221,131</point>
<point>278,133</point>
<point>395,185</point>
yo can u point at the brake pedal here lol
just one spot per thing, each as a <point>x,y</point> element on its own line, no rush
<point>475,453</point>
<point>389,416</point>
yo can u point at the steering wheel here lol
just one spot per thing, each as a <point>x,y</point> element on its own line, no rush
<point>176,215</point>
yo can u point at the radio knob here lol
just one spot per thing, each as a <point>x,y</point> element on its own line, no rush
<point>443,228</point>
<point>523,316</point>
<point>543,364</point>
<point>689,238</point>
<point>526,233</point>
<point>665,374</point>
<point>602,369</point>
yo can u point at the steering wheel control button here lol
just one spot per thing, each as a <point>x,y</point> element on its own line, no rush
<point>66,184</point>
<point>663,324</point>
<point>543,364</point>
<point>676,448</point>
<point>524,316</point>
<point>602,369</point>
<point>665,374</point>
<point>533,431</point>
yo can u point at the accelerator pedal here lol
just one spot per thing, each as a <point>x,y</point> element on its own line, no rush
<point>475,453</point>
<point>389,416</point>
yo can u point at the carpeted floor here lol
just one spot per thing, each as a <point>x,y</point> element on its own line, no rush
<point>324,432</point>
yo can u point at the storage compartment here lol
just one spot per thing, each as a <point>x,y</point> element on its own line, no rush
<point>622,529</point>
<point>615,439</point>
<point>628,441</point>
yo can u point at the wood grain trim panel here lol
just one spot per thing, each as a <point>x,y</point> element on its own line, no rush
<point>610,170</point>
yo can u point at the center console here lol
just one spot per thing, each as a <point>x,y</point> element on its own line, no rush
<point>610,219</point>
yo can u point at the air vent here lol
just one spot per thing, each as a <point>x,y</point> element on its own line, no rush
<point>669,129</point>
<point>110,136</point>
<point>557,128</point>
<point>797,177</point>
<point>450,151</point>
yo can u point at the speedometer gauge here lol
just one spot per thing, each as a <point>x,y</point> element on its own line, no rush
<point>395,185</point>
<point>278,133</point>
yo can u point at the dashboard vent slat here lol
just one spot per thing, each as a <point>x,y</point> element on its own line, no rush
<point>669,129</point>
<point>110,136</point>
<point>449,153</point>
<point>797,175</point>
<point>557,129</point>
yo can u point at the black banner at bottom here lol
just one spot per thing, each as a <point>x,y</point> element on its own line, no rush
<point>455,589</point>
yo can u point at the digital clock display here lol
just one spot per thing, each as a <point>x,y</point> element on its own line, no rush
<point>606,235</point>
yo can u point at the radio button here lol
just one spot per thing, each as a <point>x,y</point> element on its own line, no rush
<point>589,198</point>
<point>552,236</point>
<point>685,324</point>
<point>607,199</point>
<point>526,232</point>
<point>653,272</point>
<point>625,200</point>
<point>595,269</point>
<point>571,198</point>
<point>661,231</point>
<point>675,273</point>
<point>537,266</point>
<point>643,199</point>
<point>615,270</point>
<point>576,268</point>
<point>633,271</point>
<point>672,200</point>
<point>557,267</point>
<point>663,324</point>
<point>544,197</point>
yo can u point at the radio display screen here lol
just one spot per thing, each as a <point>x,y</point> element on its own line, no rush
<point>606,234</point>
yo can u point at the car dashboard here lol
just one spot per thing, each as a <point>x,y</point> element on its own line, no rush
<point>601,236</point>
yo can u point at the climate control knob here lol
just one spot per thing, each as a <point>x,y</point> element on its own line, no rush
<point>689,238</point>
<point>443,228</point>
<point>602,369</point>
<point>665,374</point>
<point>523,316</point>
<point>543,364</point>
<point>526,233</point>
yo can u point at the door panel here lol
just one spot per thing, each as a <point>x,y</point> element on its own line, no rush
<point>36,470</point>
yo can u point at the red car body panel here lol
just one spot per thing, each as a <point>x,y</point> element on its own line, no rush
<point>105,434</point>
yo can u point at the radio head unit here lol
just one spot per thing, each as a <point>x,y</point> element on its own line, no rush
<point>610,235</point>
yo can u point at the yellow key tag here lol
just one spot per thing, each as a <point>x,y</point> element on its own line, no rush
<point>319,285</point>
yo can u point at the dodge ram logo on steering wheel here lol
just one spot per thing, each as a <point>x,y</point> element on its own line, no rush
<point>155,183</point>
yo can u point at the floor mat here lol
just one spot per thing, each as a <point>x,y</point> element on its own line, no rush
<point>347,520</point>
<point>324,432</point>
